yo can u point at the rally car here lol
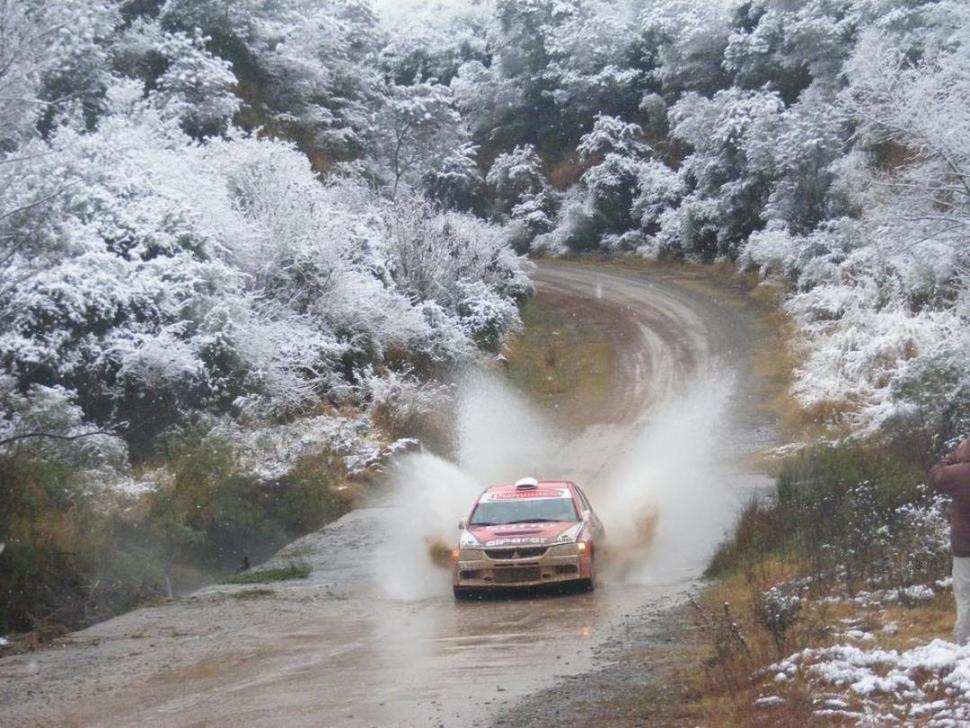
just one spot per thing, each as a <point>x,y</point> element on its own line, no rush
<point>528,534</point>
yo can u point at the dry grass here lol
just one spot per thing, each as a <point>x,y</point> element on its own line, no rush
<point>566,172</point>
<point>563,358</point>
<point>264,576</point>
<point>248,594</point>
<point>723,691</point>
<point>931,620</point>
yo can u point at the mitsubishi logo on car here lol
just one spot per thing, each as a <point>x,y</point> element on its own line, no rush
<point>515,554</point>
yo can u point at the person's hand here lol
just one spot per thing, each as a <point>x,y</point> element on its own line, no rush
<point>962,453</point>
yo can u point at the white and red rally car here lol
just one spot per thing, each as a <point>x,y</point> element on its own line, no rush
<point>525,535</point>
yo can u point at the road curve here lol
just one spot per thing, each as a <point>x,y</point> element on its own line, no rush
<point>336,651</point>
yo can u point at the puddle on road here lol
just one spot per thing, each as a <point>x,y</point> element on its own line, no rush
<point>456,662</point>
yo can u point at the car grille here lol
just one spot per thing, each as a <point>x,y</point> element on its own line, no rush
<point>533,552</point>
<point>513,575</point>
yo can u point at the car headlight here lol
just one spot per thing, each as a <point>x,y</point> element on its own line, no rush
<point>467,541</point>
<point>569,536</point>
<point>568,549</point>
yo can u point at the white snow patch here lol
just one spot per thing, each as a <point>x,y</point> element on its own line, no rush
<point>890,684</point>
<point>769,700</point>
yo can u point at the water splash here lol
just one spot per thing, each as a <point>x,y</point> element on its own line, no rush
<point>668,501</point>
<point>500,437</point>
<point>430,495</point>
<point>661,489</point>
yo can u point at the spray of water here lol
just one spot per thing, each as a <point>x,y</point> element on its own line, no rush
<point>667,501</point>
<point>660,488</point>
<point>499,438</point>
<point>430,495</point>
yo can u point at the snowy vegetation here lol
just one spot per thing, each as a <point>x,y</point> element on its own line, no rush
<point>164,259</point>
<point>822,144</point>
<point>271,225</point>
<point>234,258</point>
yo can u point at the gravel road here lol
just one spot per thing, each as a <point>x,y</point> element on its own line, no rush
<point>337,650</point>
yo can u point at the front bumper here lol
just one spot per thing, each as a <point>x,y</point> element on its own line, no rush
<point>503,568</point>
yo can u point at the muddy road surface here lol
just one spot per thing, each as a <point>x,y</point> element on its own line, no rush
<point>373,637</point>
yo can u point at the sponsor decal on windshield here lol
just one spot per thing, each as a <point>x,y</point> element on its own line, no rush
<point>525,495</point>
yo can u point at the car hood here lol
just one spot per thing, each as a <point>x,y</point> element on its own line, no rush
<point>514,534</point>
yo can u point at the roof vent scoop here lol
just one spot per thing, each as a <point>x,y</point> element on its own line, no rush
<point>527,484</point>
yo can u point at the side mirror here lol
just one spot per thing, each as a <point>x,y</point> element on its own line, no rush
<point>461,524</point>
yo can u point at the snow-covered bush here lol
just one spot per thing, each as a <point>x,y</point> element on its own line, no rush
<point>601,209</point>
<point>456,183</point>
<point>777,612</point>
<point>304,69</point>
<point>47,423</point>
<point>516,177</point>
<point>188,82</point>
<point>159,276</point>
<point>522,195</point>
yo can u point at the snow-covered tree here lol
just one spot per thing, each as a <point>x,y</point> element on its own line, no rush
<point>521,195</point>
<point>416,130</point>
<point>683,43</point>
<point>515,176</point>
<point>433,42</point>
<point>188,81</point>
<point>601,209</point>
<point>611,135</point>
<point>457,183</point>
<point>305,70</point>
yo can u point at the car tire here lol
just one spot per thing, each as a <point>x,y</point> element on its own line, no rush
<point>462,593</point>
<point>588,585</point>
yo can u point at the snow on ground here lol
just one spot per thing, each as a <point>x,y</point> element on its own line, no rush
<point>272,451</point>
<point>926,685</point>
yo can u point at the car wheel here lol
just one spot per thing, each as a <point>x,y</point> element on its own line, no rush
<point>462,593</point>
<point>588,585</point>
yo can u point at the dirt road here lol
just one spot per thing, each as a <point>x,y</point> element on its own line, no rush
<point>345,647</point>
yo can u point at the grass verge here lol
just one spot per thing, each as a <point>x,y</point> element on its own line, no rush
<point>849,556</point>
<point>564,357</point>
<point>73,555</point>
<point>266,576</point>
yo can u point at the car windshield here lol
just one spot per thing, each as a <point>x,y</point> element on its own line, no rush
<point>497,513</point>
